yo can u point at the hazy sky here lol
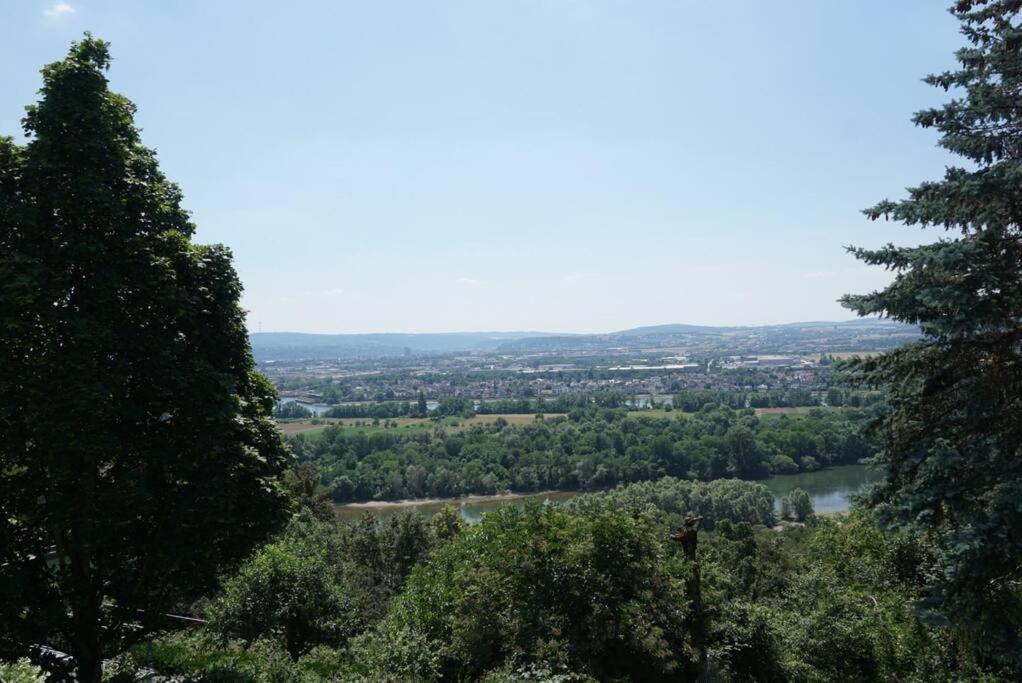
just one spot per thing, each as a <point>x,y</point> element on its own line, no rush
<point>566,165</point>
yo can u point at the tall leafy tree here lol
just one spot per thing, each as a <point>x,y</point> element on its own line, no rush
<point>423,407</point>
<point>137,455</point>
<point>600,593</point>
<point>953,434</point>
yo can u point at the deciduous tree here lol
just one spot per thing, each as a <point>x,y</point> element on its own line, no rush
<point>137,455</point>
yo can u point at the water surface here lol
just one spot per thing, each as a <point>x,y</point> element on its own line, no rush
<point>830,491</point>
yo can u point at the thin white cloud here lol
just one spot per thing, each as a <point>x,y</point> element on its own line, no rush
<point>59,10</point>
<point>468,281</point>
<point>333,292</point>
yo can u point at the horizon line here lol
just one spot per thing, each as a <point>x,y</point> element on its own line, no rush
<point>579,334</point>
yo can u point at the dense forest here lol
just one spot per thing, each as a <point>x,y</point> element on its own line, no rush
<point>586,449</point>
<point>592,591</point>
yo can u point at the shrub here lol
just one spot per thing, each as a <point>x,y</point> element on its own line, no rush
<point>600,594</point>
<point>21,671</point>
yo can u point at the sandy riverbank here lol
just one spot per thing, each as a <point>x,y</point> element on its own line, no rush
<point>470,499</point>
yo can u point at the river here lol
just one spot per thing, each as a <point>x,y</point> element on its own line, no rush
<point>830,491</point>
<point>317,409</point>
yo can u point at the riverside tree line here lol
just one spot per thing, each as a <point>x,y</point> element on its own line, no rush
<point>689,402</point>
<point>587,449</point>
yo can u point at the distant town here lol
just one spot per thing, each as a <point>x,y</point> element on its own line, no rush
<point>645,367</point>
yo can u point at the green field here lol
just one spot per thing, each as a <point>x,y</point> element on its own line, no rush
<point>659,413</point>
<point>314,426</point>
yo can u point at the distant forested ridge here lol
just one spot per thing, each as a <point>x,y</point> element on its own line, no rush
<point>295,345</point>
<point>861,335</point>
<point>587,449</point>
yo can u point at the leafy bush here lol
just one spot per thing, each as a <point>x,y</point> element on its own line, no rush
<point>21,671</point>
<point>723,499</point>
<point>291,410</point>
<point>797,504</point>
<point>287,593</point>
<point>600,594</point>
<point>193,656</point>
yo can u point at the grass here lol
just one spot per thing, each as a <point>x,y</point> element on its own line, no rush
<point>783,411</point>
<point>419,424</point>
<point>404,424</point>
<point>799,409</point>
<point>659,413</point>
<point>289,427</point>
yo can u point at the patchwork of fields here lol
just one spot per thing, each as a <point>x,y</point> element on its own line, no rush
<point>313,425</point>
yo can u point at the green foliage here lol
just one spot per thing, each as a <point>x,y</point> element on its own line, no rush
<point>370,558</point>
<point>540,673</point>
<point>797,504</point>
<point>745,644</point>
<point>829,603</point>
<point>303,482</point>
<point>21,671</point>
<point>287,614</point>
<point>138,456</point>
<point>196,657</point>
<point>830,632</point>
<point>600,594</point>
<point>285,592</point>
<point>597,593</point>
<point>953,435</point>
<point>846,610</point>
<point>783,464</point>
<point>674,499</point>
<point>421,406</point>
<point>694,400</point>
<point>379,555</point>
<point>590,449</point>
<point>291,410</point>
<point>377,410</point>
<point>446,524</point>
<point>745,563</point>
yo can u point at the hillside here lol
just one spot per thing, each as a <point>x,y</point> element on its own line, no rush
<point>858,335</point>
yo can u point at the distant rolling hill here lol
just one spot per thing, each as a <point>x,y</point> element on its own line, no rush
<point>857,335</point>
<point>853,335</point>
<point>299,346</point>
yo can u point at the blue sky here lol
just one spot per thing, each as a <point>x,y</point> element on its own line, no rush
<point>565,165</point>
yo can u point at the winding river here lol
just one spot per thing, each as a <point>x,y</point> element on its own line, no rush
<point>830,490</point>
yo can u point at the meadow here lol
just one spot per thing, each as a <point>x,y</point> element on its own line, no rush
<point>311,426</point>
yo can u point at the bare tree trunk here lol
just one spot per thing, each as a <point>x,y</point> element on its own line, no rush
<point>688,538</point>
<point>89,668</point>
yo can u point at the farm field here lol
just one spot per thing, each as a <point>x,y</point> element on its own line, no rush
<point>655,413</point>
<point>365,425</point>
<point>783,411</point>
